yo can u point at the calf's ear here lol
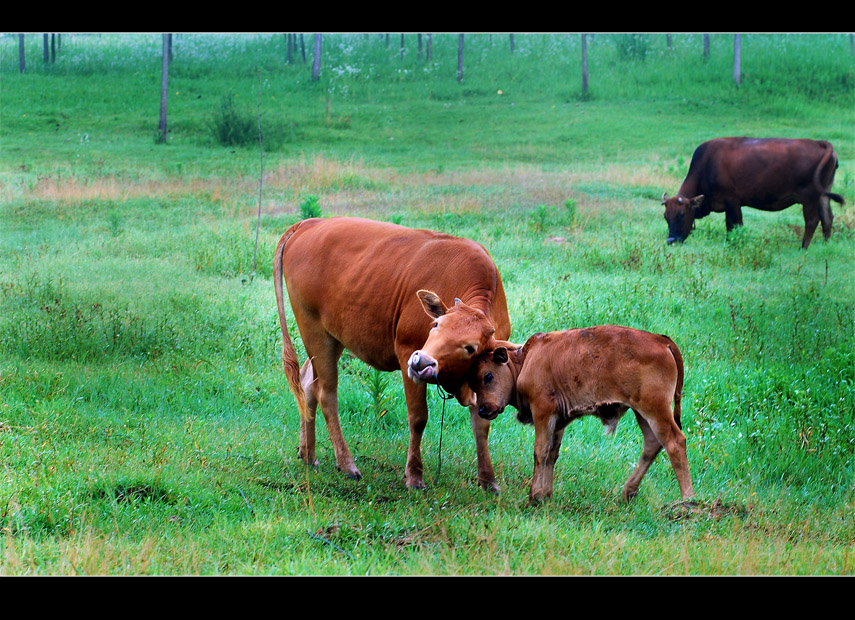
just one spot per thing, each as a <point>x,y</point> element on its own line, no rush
<point>500,355</point>
<point>432,303</point>
<point>664,198</point>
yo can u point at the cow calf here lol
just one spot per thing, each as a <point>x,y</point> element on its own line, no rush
<point>558,377</point>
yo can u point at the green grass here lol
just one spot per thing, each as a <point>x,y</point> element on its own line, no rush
<point>146,426</point>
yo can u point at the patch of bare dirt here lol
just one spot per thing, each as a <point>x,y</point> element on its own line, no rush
<point>700,509</point>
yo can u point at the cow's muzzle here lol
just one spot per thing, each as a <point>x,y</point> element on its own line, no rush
<point>671,240</point>
<point>489,414</point>
<point>421,367</point>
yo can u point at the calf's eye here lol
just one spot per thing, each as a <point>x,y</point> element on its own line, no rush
<point>488,378</point>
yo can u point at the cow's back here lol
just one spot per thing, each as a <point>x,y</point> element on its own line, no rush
<point>764,173</point>
<point>359,279</point>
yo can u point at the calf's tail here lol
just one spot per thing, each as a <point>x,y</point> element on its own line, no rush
<point>289,356</point>
<point>678,390</point>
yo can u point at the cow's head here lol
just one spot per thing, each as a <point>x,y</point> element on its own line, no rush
<point>456,337</point>
<point>492,382</point>
<point>680,215</point>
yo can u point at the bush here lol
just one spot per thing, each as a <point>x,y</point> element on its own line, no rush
<point>232,127</point>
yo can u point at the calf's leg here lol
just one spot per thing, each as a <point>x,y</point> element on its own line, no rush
<point>547,443</point>
<point>481,430</point>
<point>648,453</point>
<point>664,428</point>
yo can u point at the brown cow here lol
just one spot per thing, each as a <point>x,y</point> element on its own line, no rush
<point>558,377</point>
<point>357,284</point>
<point>767,174</point>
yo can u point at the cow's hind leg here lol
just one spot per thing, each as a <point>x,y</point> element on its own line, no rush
<point>481,430</point>
<point>324,352</point>
<point>307,427</point>
<point>811,210</point>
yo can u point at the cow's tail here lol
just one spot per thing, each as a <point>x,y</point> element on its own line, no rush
<point>817,173</point>
<point>678,390</point>
<point>289,356</point>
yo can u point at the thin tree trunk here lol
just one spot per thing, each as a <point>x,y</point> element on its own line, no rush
<point>512,42</point>
<point>170,48</point>
<point>737,59</point>
<point>163,87</point>
<point>460,59</point>
<point>22,64</point>
<point>46,49</point>
<point>668,40</point>
<point>584,64</point>
<point>52,48</point>
<point>429,47</point>
<point>706,46</point>
<point>402,46</point>
<point>303,48</point>
<point>289,44</point>
<point>316,63</point>
<point>420,46</point>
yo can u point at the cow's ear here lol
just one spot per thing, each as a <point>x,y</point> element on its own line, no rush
<point>664,198</point>
<point>500,355</point>
<point>695,202</point>
<point>432,303</point>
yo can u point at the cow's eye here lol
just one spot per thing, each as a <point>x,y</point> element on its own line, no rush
<point>488,378</point>
<point>469,349</point>
<point>436,324</point>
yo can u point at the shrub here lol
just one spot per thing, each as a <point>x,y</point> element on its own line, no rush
<point>231,127</point>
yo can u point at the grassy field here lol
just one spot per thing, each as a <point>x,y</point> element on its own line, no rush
<point>146,426</point>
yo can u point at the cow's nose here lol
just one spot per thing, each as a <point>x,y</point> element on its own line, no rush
<point>670,240</point>
<point>420,361</point>
<point>422,367</point>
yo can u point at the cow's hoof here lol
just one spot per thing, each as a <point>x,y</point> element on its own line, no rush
<point>354,476</point>
<point>490,485</point>
<point>416,484</point>
<point>313,464</point>
<point>629,495</point>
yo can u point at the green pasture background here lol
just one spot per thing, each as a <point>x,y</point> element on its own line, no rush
<point>146,426</point>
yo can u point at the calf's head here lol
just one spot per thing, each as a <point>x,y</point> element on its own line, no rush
<point>492,381</point>
<point>456,337</point>
<point>680,215</point>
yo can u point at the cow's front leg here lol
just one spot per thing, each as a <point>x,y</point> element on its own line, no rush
<point>732,216</point>
<point>481,430</point>
<point>417,415</point>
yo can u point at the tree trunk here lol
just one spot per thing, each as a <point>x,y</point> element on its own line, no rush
<point>170,48</point>
<point>420,46</point>
<point>428,50</point>
<point>163,87</point>
<point>584,64</point>
<point>47,49</point>
<point>303,48</point>
<point>402,46</point>
<point>511,35</point>
<point>22,65</point>
<point>668,40</point>
<point>737,59</point>
<point>460,59</point>
<point>52,48</point>
<point>316,63</point>
<point>706,46</point>
<point>289,45</point>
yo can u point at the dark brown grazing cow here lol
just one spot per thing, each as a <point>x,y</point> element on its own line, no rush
<point>558,377</point>
<point>357,284</point>
<point>768,174</point>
